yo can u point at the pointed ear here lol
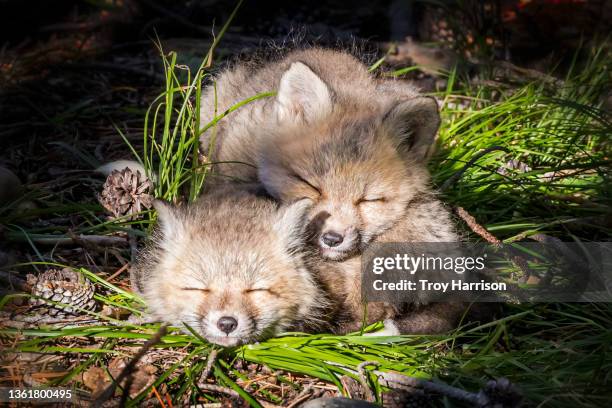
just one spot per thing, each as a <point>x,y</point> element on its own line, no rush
<point>274,178</point>
<point>290,222</point>
<point>414,123</point>
<point>302,94</point>
<point>167,218</point>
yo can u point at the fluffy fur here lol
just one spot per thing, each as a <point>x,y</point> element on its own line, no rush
<point>352,143</point>
<point>355,146</point>
<point>232,254</point>
<point>426,220</point>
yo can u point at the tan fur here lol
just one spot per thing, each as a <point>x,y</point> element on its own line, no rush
<point>352,144</point>
<point>238,137</point>
<point>231,254</point>
<point>425,221</point>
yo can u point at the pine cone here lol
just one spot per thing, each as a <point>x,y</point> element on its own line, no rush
<point>126,192</point>
<point>64,286</point>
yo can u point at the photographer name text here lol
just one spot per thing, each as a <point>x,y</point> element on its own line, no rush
<point>426,285</point>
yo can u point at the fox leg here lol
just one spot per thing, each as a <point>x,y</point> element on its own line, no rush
<point>434,318</point>
<point>390,329</point>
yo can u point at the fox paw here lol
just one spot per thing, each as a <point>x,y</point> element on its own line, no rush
<point>390,329</point>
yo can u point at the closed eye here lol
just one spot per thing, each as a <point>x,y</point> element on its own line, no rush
<point>371,200</point>
<point>253,290</point>
<point>205,290</point>
<point>309,184</point>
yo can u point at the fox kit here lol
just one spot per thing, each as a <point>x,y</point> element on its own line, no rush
<point>353,144</point>
<point>229,266</point>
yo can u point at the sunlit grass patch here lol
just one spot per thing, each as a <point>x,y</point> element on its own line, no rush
<point>536,158</point>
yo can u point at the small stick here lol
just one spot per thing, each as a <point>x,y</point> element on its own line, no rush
<point>481,399</point>
<point>490,238</point>
<point>212,357</point>
<point>129,368</point>
<point>159,398</point>
<point>392,380</point>
<point>168,400</point>
<point>363,379</point>
<point>118,272</point>
<point>218,388</point>
<point>126,390</point>
<point>476,227</point>
<point>304,395</point>
<point>530,73</point>
<point>95,240</point>
<point>102,240</point>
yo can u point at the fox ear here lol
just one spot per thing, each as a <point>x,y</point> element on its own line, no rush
<point>414,123</point>
<point>302,94</point>
<point>291,221</point>
<point>274,179</point>
<point>167,218</point>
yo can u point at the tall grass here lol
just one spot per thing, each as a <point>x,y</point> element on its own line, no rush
<point>548,166</point>
<point>172,155</point>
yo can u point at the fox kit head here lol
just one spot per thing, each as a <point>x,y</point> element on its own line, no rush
<point>359,161</point>
<point>230,269</point>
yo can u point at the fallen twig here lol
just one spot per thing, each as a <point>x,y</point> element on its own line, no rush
<point>530,73</point>
<point>212,357</point>
<point>363,378</point>
<point>476,227</point>
<point>128,369</point>
<point>304,395</point>
<point>159,398</point>
<point>119,271</point>
<point>101,240</point>
<point>393,380</point>
<point>490,238</point>
<point>499,392</point>
<point>218,388</point>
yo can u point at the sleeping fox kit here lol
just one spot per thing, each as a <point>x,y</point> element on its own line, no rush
<point>355,146</point>
<point>344,154</point>
<point>230,267</point>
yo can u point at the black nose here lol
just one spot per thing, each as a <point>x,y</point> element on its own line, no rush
<point>227,324</point>
<point>332,239</point>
